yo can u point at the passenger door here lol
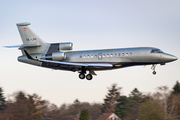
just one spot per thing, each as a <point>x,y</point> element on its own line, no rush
<point>99,56</point>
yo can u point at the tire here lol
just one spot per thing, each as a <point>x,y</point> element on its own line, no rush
<point>81,76</point>
<point>154,72</point>
<point>89,77</point>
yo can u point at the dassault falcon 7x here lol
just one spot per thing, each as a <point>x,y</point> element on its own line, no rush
<point>59,56</point>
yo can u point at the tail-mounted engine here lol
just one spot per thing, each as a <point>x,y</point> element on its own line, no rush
<point>65,46</point>
<point>56,56</point>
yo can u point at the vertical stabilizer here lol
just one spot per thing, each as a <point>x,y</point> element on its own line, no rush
<point>31,42</point>
<point>28,36</point>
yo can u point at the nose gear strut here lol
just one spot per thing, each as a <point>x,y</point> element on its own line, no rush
<point>153,68</point>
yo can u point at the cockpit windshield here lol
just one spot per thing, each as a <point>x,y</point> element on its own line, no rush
<point>156,51</point>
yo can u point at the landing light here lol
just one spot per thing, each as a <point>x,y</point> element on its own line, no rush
<point>118,65</point>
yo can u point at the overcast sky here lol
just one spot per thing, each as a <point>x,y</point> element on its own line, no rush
<point>90,24</point>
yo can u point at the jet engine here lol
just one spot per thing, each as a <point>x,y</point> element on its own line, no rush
<point>65,46</point>
<point>56,56</point>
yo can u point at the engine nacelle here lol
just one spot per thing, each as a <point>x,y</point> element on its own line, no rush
<point>56,56</point>
<point>65,46</point>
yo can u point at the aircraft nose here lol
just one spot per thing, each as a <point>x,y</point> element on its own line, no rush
<point>173,58</point>
<point>170,58</point>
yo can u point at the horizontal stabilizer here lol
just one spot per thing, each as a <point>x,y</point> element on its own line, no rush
<point>23,46</point>
<point>14,46</point>
<point>29,46</point>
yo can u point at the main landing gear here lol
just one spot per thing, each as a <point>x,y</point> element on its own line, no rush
<point>153,68</point>
<point>88,76</point>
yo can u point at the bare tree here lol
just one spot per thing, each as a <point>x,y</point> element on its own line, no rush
<point>168,102</point>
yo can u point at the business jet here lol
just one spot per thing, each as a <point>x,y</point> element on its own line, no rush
<point>59,56</point>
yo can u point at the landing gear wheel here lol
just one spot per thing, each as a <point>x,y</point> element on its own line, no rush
<point>154,72</point>
<point>89,77</point>
<point>81,76</point>
<point>153,68</point>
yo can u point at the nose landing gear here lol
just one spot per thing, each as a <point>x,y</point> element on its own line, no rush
<point>153,68</point>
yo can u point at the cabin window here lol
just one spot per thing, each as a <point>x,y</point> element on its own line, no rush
<point>107,55</point>
<point>111,55</point>
<point>104,55</point>
<point>122,54</point>
<point>87,56</point>
<point>126,54</point>
<point>115,54</point>
<point>130,53</point>
<point>80,56</point>
<point>84,56</point>
<point>119,54</point>
<point>91,56</point>
<point>96,56</point>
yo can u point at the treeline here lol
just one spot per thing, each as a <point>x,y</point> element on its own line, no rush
<point>164,104</point>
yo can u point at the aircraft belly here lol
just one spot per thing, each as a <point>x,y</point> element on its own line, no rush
<point>60,66</point>
<point>116,65</point>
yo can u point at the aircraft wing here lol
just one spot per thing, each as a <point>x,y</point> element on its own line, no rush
<point>70,63</point>
<point>78,64</point>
